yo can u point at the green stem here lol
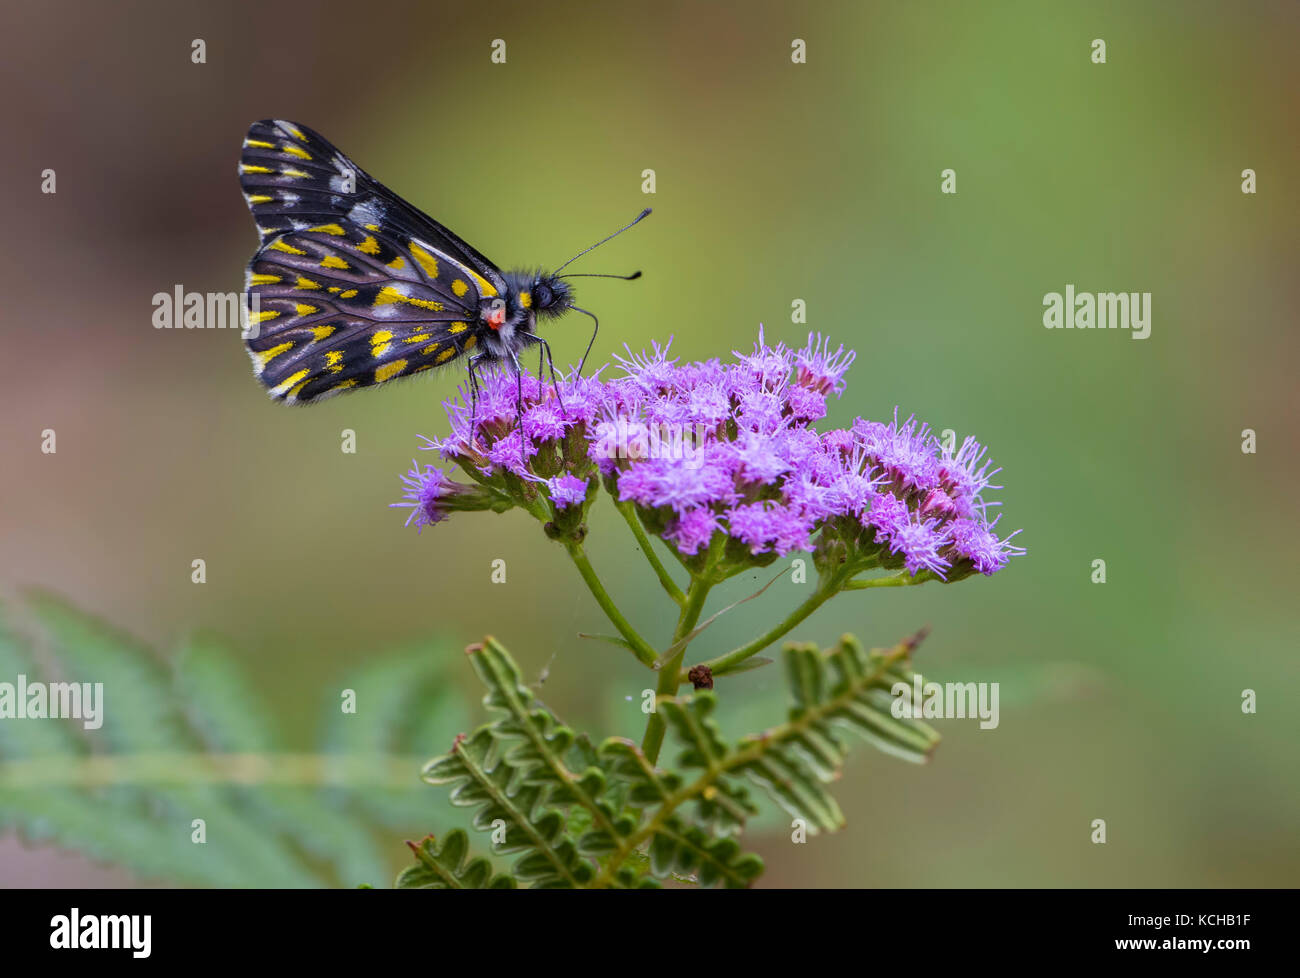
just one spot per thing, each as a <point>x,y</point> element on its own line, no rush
<point>668,672</point>
<point>638,531</point>
<point>826,589</point>
<point>669,680</point>
<point>640,647</point>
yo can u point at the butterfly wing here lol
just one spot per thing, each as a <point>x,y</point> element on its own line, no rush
<point>293,178</point>
<point>353,285</point>
<point>337,307</point>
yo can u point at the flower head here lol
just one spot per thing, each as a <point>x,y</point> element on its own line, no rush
<point>723,453</point>
<point>567,490</point>
<point>424,492</point>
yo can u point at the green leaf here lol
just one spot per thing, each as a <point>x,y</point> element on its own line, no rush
<point>194,741</point>
<point>482,779</point>
<point>449,867</point>
<point>602,818</point>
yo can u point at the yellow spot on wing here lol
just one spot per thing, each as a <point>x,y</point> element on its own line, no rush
<point>426,260</point>
<point>417,338</point>
<point>370,246</point>
<point>306,310</point>
<point>389,370</point>
<point>287,248</point>
<point>259,143</point>
<point>388,295</point>
<point>297,133</point>
<point>263,315</point>
<point>397,264</point>
<point>348,294</point>
<point>328,229</point>
<point>485,288</point>
<point>297,151</point>
<point>457,327</point>
<point>459,287</point>
<point>260,198</point>
<point>430,348</point>
<point>257,278</point>
<point>306,284</point>
<point>379,342</point>
<point>333,261</point>
<point>334,361</point>
<point>247,168</point>
<point>322,332</point>
<point>289,382</point>
<point>266,356</point>
<point>446,354</point>
<point>372,227</point>
<point>469,344</point>
<point>350,382</point>
<point>296,174</point>
<point>296,389</point>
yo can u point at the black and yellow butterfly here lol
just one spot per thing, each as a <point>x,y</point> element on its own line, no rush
<point>353,286</point>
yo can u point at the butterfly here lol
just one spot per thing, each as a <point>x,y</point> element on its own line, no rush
<point>352,286</point>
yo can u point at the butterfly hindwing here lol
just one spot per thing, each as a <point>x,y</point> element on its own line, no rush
<point>341,306</point>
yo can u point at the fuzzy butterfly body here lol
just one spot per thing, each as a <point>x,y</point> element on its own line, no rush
<point>353,286</point>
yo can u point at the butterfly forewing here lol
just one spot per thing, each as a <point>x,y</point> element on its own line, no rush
<point>293,177</point>
<point>353,285</point>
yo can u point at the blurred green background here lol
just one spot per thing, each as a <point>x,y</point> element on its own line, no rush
<point>775,181</point>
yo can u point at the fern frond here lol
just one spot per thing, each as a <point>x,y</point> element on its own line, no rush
<point>793,761</point>
<point>531,773</point>
<point>449,867</point>
<point>584,817</point>
<point>192,740</point>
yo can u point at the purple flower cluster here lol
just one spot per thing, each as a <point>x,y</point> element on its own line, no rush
<point>724,457</point>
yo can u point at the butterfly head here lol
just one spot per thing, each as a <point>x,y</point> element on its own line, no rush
<point>536,295</point>
<point>551,297</point>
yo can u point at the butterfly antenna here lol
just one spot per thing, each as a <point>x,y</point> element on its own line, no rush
<point>625,278</point>
<point>638,218</point>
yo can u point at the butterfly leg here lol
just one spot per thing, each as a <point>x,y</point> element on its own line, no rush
<point>473,392</point>
<point>545,353</point>
<point>595,328</point>
<point>519,404</point>
<point>519,387</point>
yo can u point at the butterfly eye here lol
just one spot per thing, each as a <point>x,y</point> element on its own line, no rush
<point>542,296</point>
